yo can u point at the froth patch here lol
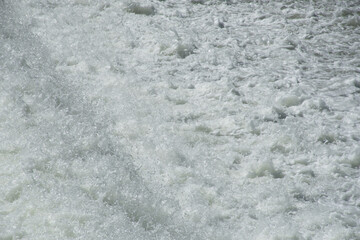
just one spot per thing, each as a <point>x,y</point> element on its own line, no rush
<point>265,168</point>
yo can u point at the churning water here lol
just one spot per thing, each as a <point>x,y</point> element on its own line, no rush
<point>179,119</point>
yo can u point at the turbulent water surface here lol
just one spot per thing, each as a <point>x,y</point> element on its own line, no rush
<point>179,119</point>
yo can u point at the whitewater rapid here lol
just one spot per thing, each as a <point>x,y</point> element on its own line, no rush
<point>179,119</point>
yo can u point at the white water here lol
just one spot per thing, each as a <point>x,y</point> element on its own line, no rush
<point>179,119</point>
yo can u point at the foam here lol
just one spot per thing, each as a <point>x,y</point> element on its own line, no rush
<point>179,120</point>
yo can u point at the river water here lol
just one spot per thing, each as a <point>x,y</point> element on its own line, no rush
<point>174,119</point>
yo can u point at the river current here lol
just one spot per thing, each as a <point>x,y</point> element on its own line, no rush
<point>179,119</point>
